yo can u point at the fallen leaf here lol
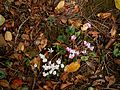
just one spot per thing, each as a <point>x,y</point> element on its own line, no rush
<point>111,80</point>
<point>46,87</point>
<point>35,63</point>
<point>117,4</point>
<point>76,9</point>
<point>2,20</point>
<point>25,37</point>
<point>60,5</point>
<point>117,61</point>
<point>75,22</point>
<point>109,44</point>
<point>8,36</point>
<point>4,83</point>
<point>113,31</point>
<point>94,33</point>
<point>49,84</point>
<point>63,20</point>
<point>72,67</point>
<point>2,41</point>
<point>64,85</point>
<point>64,76</point>
<point>98,82</point>
<point>16,83</point>
<point>104,15</point>
<point>21,46</point>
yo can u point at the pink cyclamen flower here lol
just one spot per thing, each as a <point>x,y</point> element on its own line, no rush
<point>71,56</point>
<point>88,25</point>
<point>84,52</point>
<point>73,37</point>
<point>68,49</point>
<point>91,48</point>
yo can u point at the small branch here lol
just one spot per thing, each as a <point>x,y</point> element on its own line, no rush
<point>20,28</point>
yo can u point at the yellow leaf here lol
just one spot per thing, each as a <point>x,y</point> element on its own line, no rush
<point>117,4</point>
<point>8,36</point>
<point>60,5</point>
<point>74,66</point>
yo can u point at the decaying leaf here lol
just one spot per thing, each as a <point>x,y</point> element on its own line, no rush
<point>8,36</point>
<point>64,76</point>
<point>75,22</point>
<point>79,78</point>
<point>94,33</point>
<point>117,4</point>
<point>109,44</point>
<point>72,67</point>
<point>2,41</point>
<point>111,80</point>
<point>113,31</point>
<point>104,15</point>
<point>98,82</point>
<point>2,20</point>
<point>35,63</point>
<point>21,46</point>
<point>4,83</point>
<point>16,83</point>
<point>60,5</point>
<point>64,85</point>
<point>117,61</point>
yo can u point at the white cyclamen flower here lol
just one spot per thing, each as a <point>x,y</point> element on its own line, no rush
<point>62,65</point>
<point>50,50</point>
<point>46,67</point>
<point>45,74</point>
<point>58,61</point>
<point>44,60</point>
<point>54,72</point>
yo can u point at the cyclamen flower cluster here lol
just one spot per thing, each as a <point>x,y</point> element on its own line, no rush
<point>87,44</point>
<point>51,68</point>
<point>72,52</point>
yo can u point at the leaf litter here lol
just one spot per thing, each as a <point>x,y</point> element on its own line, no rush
<point>59,45</point>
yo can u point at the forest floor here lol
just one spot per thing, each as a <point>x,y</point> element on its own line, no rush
<point>59,45</point>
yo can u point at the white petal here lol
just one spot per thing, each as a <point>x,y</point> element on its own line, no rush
<point>62,65</point>
<point>54,72</point>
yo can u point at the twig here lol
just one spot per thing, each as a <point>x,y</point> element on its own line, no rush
<point>20,28</point>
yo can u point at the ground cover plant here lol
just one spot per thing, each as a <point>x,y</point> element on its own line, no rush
<point>59,45</point>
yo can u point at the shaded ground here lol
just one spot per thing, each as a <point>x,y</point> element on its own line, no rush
<point>37,26</point>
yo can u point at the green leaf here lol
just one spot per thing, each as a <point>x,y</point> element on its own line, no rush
<point>116,52</point>
<point>92,54</point>
<point>62,38</point>
<point>60,49</point>
<point>2,20</point>
<point>2,74</point>
<point>25,88</point>
<point>84,58</point>
<point>117,4</point>
<point>91,88</point>
<point>70,30</point>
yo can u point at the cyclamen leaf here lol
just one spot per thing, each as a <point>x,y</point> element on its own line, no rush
<point>2,20</point>
<point>117,4</point>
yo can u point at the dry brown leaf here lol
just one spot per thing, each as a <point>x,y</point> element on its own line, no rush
<point>64,85</point>
<point>64,76</point>
<point>76,9</point>
<point>94,33</point>
<point>117,61</point>
<point>72,67</point>
<point>8,36</point>
<point>113,31</point>
<point>79,78</point>
<point>64,20</point>
<point>21,46</point>
<point>104,15</point>
<point>49,84</point>
<point>2,41</point>
<point>109,44</point>
<point>34,62</point>
<point>60,5</point>
<point>46,87</point>
<point>111,80</point>
<point>4,83</point>
<point>75,22</point>
<point>98,82</point>
<point>25,37</point>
